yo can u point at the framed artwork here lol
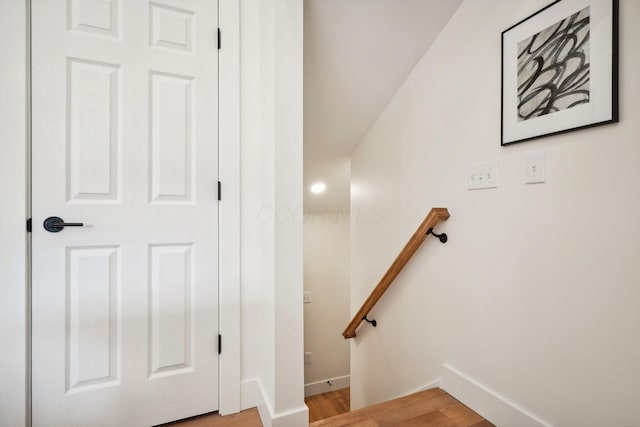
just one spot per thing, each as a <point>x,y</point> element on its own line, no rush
<point>560,70</point>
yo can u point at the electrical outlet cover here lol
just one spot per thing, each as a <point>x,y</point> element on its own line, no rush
<point>535,168</point>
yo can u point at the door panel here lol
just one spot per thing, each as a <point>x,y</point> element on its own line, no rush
<point>92,147</point>
<point>124,134</point>
<point>96,17</point>
<point>171,27</point>
<point>171,139</point>
<point>172,310</point>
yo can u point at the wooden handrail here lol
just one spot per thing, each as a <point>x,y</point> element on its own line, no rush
<point>435,215</point>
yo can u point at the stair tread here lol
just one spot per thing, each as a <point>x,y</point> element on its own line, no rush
<point>433,407</point>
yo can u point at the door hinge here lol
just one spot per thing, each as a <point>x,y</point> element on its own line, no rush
<point>219,191</point>
<point>29,225</point>
<point>219,344</point>
<point>219,39</point>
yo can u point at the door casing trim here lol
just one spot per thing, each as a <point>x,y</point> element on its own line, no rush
<point>229,232</point>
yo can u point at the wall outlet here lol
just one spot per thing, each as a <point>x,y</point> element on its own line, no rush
<point>307,358</point>
<point>306,297</point>
<point>482,175</point>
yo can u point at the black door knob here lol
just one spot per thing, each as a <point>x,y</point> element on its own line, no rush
<point>55,224</point>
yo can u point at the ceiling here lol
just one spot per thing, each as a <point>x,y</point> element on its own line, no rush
<point>357,53</point>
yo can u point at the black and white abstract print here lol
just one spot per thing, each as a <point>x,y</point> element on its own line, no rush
<point>553,68</point>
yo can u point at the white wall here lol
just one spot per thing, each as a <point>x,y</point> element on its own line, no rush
<point>536,295</point>
<point>13,213</point>
<point>251,310</point>
<point>271,242</point>
<point>326,276</point>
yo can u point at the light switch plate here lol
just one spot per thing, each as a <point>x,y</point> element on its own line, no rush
<point>482,175</point>
<point>535,168</point>
<point>306,297</point>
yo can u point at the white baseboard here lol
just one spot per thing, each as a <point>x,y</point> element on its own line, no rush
<point>254,396</point>
<point>432,384</point>
<point>294,418</point>
<point>429,386</point>
<point>323,386</point>
<point>486,402</point>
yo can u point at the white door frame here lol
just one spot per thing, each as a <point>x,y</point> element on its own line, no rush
<point>13,213</point>
<point>15,140</point>
<point>229,234</point>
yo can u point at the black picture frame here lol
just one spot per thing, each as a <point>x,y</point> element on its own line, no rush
<point>560,70</point>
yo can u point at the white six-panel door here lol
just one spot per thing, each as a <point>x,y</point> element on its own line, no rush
<point>125,141</point>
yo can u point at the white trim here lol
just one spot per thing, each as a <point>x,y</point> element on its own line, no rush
<point>319,387</point>
<point>14,211</point>
<point>262,404</point>
<point>293,418</point>
<point>229,229</point>
<point>254,395</point>
<point>432,384</point>
<point>486,402</point>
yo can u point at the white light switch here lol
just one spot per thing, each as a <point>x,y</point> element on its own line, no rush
<point>482,175</point>
<point>306,297</point>
<point>535,168</point>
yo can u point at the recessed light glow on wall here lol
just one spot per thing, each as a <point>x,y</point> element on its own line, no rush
<point>318,188</point>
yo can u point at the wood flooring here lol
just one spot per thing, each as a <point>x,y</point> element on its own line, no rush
<point>248,418</point>
<point>329,404</point>
<point>430,408</point>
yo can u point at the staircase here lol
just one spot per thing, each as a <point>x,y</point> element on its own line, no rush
<point>433,407</point>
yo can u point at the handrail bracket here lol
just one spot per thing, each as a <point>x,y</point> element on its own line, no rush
<point>373,322</point>
<point>443,237</point>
